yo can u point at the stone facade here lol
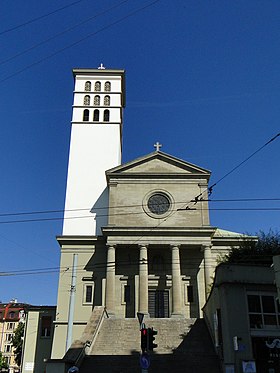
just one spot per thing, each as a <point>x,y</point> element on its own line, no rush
<point>156,258</point>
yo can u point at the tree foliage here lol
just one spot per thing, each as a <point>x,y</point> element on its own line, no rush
<point>17,342</point>
<point>3,363</point>
<point>256,252</point>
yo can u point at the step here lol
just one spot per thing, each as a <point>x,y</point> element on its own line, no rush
<point>122,336</point>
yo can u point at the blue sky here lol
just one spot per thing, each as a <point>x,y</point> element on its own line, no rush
<point>202,77</point>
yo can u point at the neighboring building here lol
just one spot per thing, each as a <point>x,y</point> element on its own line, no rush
<point>10,315</point>
<point>242,313</point>
<point>276,266</point>
<point>137,236</point>
<point>38,338</point>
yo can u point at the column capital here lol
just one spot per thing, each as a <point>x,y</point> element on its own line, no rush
<point>206,246</point>
<point>174,246</point>
<point>113,246</point>
<point>143,245</point>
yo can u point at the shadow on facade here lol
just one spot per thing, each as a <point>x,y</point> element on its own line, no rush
<point>100,210</point>
<point>96,269</point>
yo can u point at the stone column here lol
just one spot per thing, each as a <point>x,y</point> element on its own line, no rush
<point>207,268</point>
<point>143,279</point>
<point>110,280</point>
<point>176,282</point>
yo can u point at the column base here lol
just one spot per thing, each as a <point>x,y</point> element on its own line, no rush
<point>146,314</point>
<point>110,314</point>
<point>177,316</point>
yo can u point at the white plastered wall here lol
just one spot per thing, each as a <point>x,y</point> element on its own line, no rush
<point>94,149</point>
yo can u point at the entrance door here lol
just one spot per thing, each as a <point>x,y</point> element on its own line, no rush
<point>158,303</point>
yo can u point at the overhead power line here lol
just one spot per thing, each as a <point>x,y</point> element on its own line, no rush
<point>38,18</point>
<point>138,213</point>
<point>101,267</point>
<point>237,200</point>
<point>41,212</point>
<point>61,33</point>
<point>79,41</point>
<point>244,161</point>
<point>209,190</point>
<point>246,209</point>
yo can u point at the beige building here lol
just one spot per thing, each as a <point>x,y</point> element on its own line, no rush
<point>38,338</point>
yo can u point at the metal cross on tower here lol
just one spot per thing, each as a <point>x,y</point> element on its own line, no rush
<point>157,146</point>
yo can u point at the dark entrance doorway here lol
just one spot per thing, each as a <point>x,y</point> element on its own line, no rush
<point>159,303</point>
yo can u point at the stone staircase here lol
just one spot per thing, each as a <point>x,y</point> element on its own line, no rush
<point>184,345</point>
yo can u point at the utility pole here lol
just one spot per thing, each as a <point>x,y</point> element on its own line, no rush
<point>72,302</point>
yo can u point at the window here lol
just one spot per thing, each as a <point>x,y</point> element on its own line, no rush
<point>86,115</point>
<point>8,348</point>
<point>96,115</point>
<point>107,101</point>
<point>159,203</point>
<point>7,359</point>
<point>87,86</point>
<point>96,100</point>
<point>107,87</point>
<point>88,294</point>
<point>10,326</point>
<point>127,293</point>
<point>8,337</point>
<point>190,293</point>
<point>46,324</point>
<point>87,100</point>
<point>12,315</point>
<point>263,311</point>
<point>106,115</point>
<point>97,86</point>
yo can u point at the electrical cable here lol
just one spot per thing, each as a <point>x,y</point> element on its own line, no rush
<point>96,269</point>
<point>241,163</point>
<point>210,189</point>
<point>40,212</point>
<point>38,18</point>
<point>60,33</point>
<point>138,213</point>
<point>78,41</point>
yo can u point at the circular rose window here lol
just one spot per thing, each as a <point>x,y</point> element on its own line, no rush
<point>158,203</point>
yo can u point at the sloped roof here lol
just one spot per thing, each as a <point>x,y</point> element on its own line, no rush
<point>158,163</point>
<point>225,237</point>
<point>224,233</point>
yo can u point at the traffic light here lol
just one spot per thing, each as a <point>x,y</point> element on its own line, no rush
<point>151,338</point>
<point>144,339</point>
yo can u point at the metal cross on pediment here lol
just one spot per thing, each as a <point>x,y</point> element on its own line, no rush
<point>157,146</point>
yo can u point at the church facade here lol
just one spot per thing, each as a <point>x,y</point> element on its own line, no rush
<point>136,236</point>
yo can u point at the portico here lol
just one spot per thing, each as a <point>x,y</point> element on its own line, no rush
<point>166,250</point>
<point>163,273</point>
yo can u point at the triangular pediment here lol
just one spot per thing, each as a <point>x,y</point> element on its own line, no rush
<point>158,163</point>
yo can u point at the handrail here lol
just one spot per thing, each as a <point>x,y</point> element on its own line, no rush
<point>80,348</point>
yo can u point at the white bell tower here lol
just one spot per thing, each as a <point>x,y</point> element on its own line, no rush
<point>95,146</point>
